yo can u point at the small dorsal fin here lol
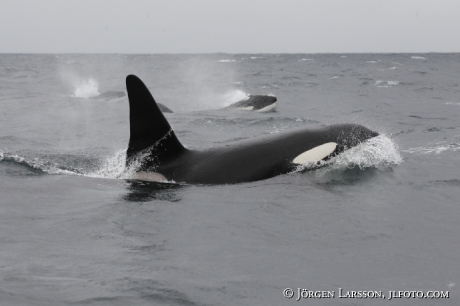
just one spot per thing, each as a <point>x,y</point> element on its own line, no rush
<point>149,128</point>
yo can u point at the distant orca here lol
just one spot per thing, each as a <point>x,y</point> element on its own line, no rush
<point>110,95</point>
<point>159,156</point>
<point>163,108</point>
<point>258,103</point>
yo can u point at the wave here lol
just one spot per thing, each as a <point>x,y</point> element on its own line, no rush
<point>36,165</point>
<point>227,61</point>
<point>253,58</point>
<point>437,149</point>
<point>419,58</point>
<point>380,83</point>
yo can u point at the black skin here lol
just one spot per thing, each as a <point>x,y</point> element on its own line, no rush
<point>257,101</point>
<point>248,160</point>
<point>110,95</point>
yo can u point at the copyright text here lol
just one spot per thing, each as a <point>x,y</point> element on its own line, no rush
<point>300,293</point>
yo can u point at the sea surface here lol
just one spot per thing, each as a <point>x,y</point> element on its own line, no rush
<point>385,216</point>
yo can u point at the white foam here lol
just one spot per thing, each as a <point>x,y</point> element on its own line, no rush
<point>306,59</point>
<point>380,83</point>
<point>112,167</point>
<point>36,163</point>
<point>380,151</point>
<point>385,69</point>
<point>452,103</point>
<point>233,96</point>
<point>418,57</point>
<point>375,152</point>
<point>86,89</point>
<point>227,61</point>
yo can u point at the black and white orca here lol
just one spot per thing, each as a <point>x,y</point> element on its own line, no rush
<point>257,103</point>
<point>159,156</point>
<point>110,96</point>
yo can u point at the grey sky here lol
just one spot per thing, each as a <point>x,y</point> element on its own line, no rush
<point>233,26</point>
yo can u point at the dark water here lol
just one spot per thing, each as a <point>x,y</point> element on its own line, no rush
<point>382,217</point>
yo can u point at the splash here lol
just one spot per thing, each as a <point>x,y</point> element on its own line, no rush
<point>380,151</point>
<point>376,152</point>
<point>86,89</point>
<point>234,96</point>
<point>111,167</point>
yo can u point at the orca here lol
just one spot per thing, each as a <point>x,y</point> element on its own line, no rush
<point>258,103</point>
<point>164,109</point>
<point>157,155</point>
<point>110,95</point>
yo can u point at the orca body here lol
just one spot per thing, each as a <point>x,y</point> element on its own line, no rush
<point>110,95</point>
<point>163,108</point>
<point>158,154</point>
<point>259,103</point>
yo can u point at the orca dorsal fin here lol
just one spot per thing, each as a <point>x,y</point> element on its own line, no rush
<point>149,128</point>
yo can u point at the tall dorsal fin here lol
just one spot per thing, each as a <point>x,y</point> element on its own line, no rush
<point>149,128</point>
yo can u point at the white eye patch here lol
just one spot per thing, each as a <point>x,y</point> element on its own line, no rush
<point>316,154</point>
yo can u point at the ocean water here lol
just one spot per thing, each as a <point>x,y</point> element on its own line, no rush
<point>381,217</point>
